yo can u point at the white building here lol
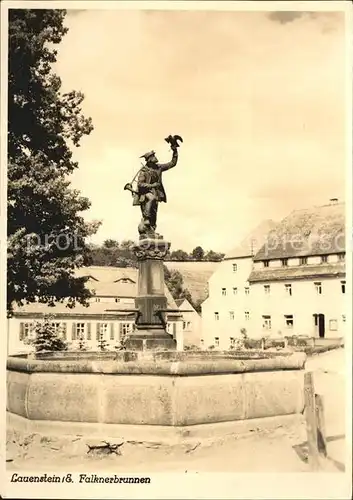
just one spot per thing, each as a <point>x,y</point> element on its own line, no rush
<point>108,316</point>
<point>191,323</point>
<point>293,285</point>
<point>227,310</point>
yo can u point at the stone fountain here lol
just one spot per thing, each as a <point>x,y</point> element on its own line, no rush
<point>166,395</point>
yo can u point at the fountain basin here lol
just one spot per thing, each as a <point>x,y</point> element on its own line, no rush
<point>174,391</point>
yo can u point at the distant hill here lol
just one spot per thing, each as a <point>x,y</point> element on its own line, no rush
<point>195,275</point>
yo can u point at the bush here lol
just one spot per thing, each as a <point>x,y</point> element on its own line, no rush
<point>252,343</point>
<point>46,338</point>
<point>191,347</point>
<point>102,343</point>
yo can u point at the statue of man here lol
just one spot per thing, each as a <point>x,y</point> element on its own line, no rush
<point>150,190</point>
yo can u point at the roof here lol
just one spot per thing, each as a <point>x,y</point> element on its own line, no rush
<point>111,281</point>
<point>106,282</point>
<point>253,241</point>
<point>333,270</point>
<point>318,230</point>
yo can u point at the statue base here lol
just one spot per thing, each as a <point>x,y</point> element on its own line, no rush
<point>147,340</point>
<point>151,302</point>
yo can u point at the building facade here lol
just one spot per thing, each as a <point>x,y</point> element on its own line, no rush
<point>228,309</point>
<point>191,323</point>
<point>294,284</point>
<point>108,317</point>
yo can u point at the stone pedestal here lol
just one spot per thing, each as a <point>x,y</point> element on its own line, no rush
<point>150,333</point>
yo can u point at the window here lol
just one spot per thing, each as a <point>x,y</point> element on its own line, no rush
<point>216,316</point>
<point>235,268</point>
<point>98,299</point>
<point>343,286</point>
<point>202,342</point>
<point>117,300</point>
<point>288,289</point>
<point>318,287</point>
<point>303,261</point>
<point>224,291</point>
<point>343,318</point>
<point>247,315</point>
<point>60,329</point>
<point>235,290</point>
<point>112,332</point>
<point>216,341</point>
<point>266,322</point>
<point>341,257</point>
<point>288,319</point>
<point>78,331</point>
<point>232,341</point>
<point>184,325</point>
<point>247,290</point>
<point>126,328</point>
<point>265,263</point>
<point>333,324</point>
<point>323,259</point>
<point>267,289</point>
<point>231,315</point>
<point>103,328</point>
<point>57,327</point>
<point>25,330</point>
<point>284,262</point>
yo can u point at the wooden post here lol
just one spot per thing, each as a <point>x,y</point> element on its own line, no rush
<point>310,417</point>
<point>320,422</point>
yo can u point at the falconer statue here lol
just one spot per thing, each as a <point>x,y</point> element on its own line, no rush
<point>149,191</point>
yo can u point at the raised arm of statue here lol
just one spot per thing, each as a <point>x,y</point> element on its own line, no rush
<point>166,166</point>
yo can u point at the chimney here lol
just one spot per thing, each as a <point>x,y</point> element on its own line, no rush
<point>333,201</point>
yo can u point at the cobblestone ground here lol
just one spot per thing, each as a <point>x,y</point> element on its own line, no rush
<point>282,449</point>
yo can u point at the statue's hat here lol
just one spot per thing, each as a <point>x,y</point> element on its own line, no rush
<point>148,155</point>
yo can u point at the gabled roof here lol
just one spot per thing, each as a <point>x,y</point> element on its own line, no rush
<point>253,241</point>
<point>318,230</point>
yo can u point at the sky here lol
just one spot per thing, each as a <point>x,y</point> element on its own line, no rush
<point>258,97</point>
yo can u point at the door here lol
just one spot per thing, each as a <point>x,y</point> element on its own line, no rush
<point>321,325</point>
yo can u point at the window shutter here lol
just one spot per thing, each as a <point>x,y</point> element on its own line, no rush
<point>98,331</point>
<point>112,331</point>
<point>88,331</point>
<point>64,330</point>
<point>120,329</point>
<point>73,334</point>
<point>22,330</point>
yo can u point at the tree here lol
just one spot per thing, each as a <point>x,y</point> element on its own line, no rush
<point>46,338</point>
<point>198,253</point>
<point>213,256</point>
<point>179,255</point>
<point>109,243</point>
<point>46,232</point>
